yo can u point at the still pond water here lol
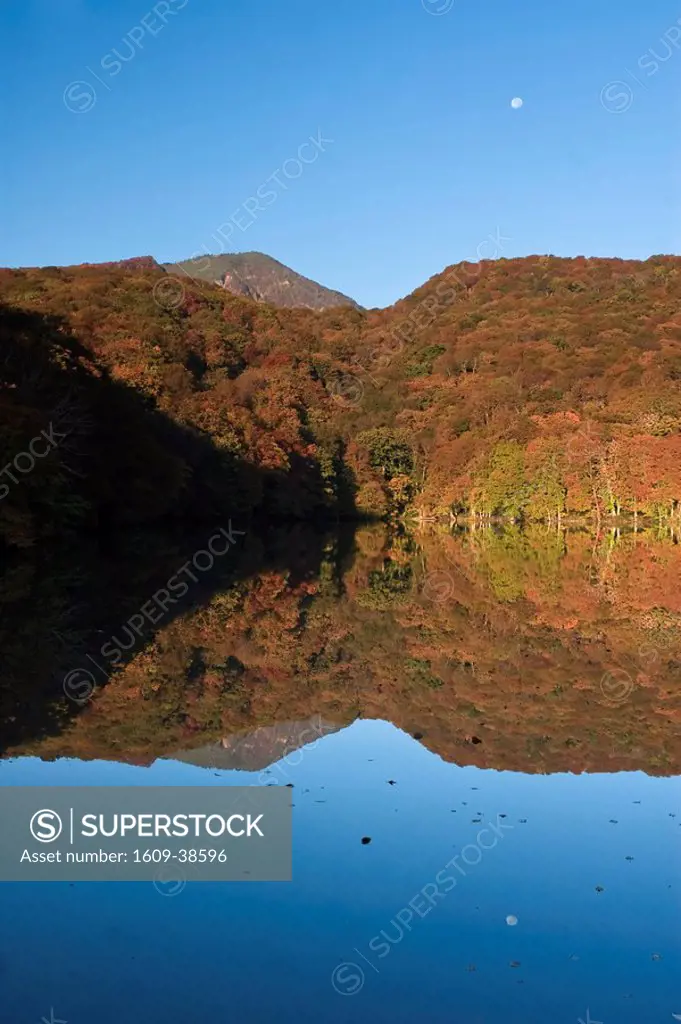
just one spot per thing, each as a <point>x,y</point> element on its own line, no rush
<point>500,716</point>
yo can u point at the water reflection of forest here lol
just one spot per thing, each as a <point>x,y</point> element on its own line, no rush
<point>535,650</point>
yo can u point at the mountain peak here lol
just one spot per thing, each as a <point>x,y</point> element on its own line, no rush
<point>254,275</point>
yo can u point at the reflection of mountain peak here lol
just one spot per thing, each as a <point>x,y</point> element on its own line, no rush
<point>258,749</point>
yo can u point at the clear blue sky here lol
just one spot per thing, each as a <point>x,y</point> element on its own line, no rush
<point>428,158</point>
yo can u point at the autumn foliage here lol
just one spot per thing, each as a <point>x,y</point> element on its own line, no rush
<point>531,389</point>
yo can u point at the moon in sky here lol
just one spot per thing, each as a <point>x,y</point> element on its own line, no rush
<point>511,920</point>
<point>516,103</point>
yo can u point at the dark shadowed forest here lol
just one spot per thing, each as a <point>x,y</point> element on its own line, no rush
<point>530,389</point>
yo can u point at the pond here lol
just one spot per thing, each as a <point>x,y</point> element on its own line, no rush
<point>481,736</point>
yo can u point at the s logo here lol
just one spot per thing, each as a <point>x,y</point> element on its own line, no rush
<point>46,826</point>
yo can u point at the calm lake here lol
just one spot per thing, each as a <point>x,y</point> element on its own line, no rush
<point>497,711</point>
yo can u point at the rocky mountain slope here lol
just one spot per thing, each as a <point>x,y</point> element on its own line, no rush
<point>253,275</point>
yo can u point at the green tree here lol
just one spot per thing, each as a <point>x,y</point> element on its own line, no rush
<point>500,488</point>
<point>390,452</point>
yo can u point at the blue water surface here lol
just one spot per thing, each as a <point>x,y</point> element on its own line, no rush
<point>524,935</point>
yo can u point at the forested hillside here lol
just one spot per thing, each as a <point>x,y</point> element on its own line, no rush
<point>537,386</point>
<point>527,388</point>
